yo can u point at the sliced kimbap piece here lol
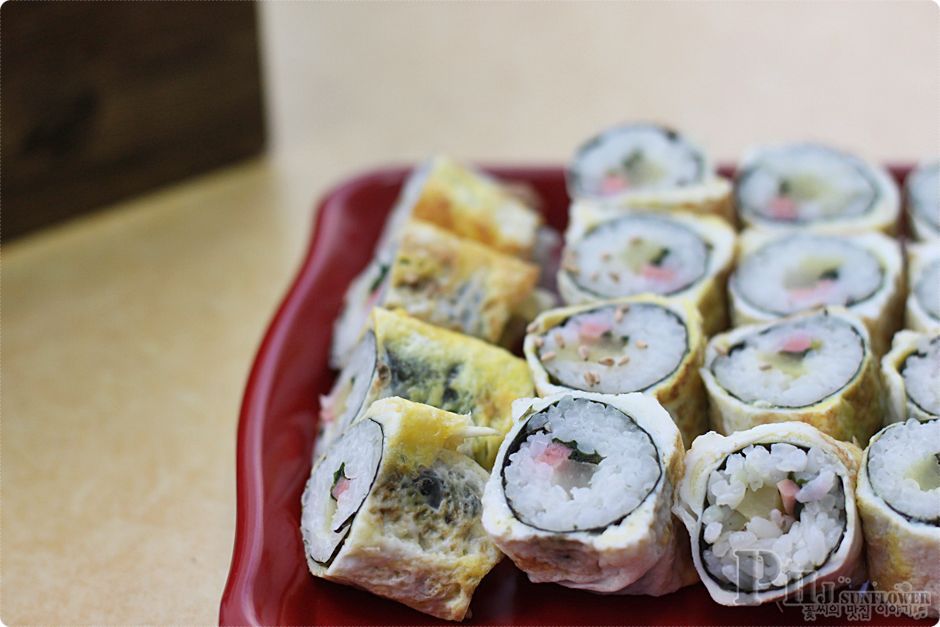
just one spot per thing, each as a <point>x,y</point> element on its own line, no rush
<point>922,195</point>
<point>440,278</point>
<point>779,275</point>
<point>581,492</point>
<point>650,166</point>
<point>923,301</point>
<point>771,511</point>
<point>678,255</point>
<point>402,356</point>
<point>394,508</point>
<point>642,344</point>
<point>899,502</point>
<point>911,372</point>
<point>815,367</point>
<point>815,187</point>
<point>466,202</point>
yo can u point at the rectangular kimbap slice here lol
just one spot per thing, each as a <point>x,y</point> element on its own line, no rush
<point>911,372</point>
<point>394,508</point>
<point>813,187</point>
<point>440,278</point>
<point>778,275</point>
<point>468,203</point>
<point>899,501</point>
<point>923,301</point>
<point>815,367</point>
<point>771,511</point>
<point>648,166</point>
<point>677,255</point>
<point>581,492</point>
<point>402,356</point>
<point>642,344</point>
<point>922,196</point>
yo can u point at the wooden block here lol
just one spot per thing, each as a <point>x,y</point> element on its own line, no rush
<point>103,100</point>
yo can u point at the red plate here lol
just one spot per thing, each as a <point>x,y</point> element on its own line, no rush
<point>268,582</point>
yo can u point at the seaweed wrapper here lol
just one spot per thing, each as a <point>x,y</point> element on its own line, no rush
<point>709,451</point>
<point>646,553</point>
<point>681,393</point>
<point>853,413</point>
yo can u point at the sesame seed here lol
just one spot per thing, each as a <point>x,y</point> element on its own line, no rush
<point>614,277</point>
<point>531,327</point>
<point>538,341</point>
<point>606,257</point>
<point>641,344</point>
<point>623,360</point>
<point>620,311</point>
<point>765,366</point>
<point>607,361</point>
<point>571,267</point>
<point>559,339</point>
<point>591,378</point>
<point>721,350</point>
<point>583,351</point>
<point>550,355</point>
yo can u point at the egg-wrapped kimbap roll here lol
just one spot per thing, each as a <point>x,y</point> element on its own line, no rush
<point>440,278</point>
<point>815,367</point>
<point>816,187</point>
<point>639,344</point>
<point>581,492</point>
<point>394,508</point>
<point>911,372</point>
<point>650,166</point>
<point>899,502</point>
<point>466,202</point>
<point>922,195</point>
<point>402,356</point>
<point>923,277</point>
<point>678,255</point>
<point>778,275</point>
<point>771,511</point>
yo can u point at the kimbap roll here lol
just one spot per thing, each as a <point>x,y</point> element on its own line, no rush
<point>466,202</point>
<point>779,275</point>
<point>899,502</point>
<point>816,187</point>
<point>394,508</point>
<point>581,492</point>
<point>650,166</point>
<point>678,255</point>
<point>923,301</point>
<point>639,344</point>
<point>771,511</point>
<point>402,356</point>
<point>911,372</point>
<point>440,278</point>
<point>922,195</point>
<point>815,367</point>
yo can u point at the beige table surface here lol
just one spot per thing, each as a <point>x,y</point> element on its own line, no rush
<point>127,336</point>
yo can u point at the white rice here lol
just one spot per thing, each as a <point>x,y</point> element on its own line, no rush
<point>927,289</point>
<point>816,183</point>
<point>643,344</point>
<point>745,516</point>
<point>366,291</point>
<point>637,157</point>
<point>762,371</point>
<point>904,469</point>
<point>572,495</point>
<point>327,514</point>
<point>799,272</point>
<point>635,254</point>
<point>921,373</point>
<point>923,193</point>
<point>345,401</point>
